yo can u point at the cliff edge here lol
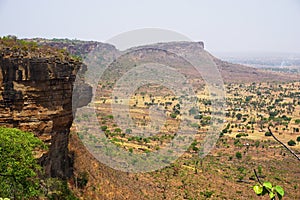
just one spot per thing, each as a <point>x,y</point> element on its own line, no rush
<point>36,84</point>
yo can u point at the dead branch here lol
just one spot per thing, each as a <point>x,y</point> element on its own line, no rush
<point>290,150</point>
<point>257,177</point>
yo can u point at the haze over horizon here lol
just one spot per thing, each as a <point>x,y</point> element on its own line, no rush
<point>224,26</point>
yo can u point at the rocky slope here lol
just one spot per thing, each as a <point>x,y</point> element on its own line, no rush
<point>36,86</point>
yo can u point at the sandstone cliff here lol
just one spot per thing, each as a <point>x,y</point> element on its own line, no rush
<point>36,86</point>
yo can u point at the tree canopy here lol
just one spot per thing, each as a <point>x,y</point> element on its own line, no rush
<point>18,166</point>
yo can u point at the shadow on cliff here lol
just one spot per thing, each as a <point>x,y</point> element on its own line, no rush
<point>62,166</point>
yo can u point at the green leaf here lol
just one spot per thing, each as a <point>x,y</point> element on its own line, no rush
<point>279,190</point>
<point>272,195</point>
<point>268,185</point>
<point>18,162</point>
<point>265,191</point>
<point>258,189</point>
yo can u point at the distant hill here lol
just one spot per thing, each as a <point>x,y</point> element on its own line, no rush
<point>231,73</point>
<point>74,47</point>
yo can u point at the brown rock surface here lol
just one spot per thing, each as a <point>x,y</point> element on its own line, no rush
<point>36,95</point>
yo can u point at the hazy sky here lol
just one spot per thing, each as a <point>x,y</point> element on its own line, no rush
<point>223,25</point>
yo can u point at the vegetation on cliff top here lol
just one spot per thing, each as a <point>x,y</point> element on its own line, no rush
<point>11,46</point>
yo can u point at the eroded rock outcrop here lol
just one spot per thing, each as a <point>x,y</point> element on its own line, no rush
<point>36,95</point>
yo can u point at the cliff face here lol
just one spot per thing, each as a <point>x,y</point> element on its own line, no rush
<point>36,96</point>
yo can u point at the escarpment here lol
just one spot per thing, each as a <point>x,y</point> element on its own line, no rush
<point>36,95</point>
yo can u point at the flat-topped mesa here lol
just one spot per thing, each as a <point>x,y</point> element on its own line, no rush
<point>174,46</point>
<point>36,96</point>
<point>179,44</point>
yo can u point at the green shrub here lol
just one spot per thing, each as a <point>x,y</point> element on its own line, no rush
<point>103,128</point>
<point>207,194</point>
<point>291,143</point>
<point>118,130</point>
<point>173,115</point>
<point>82,179</point>
<point>268,134</point>
<point>128,131</point>
<point>238,155</point>
<point>241,134</point>
<point>237,142</point>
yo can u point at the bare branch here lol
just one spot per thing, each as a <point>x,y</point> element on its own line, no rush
<point>257,177</point>
<point>290,150</point>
